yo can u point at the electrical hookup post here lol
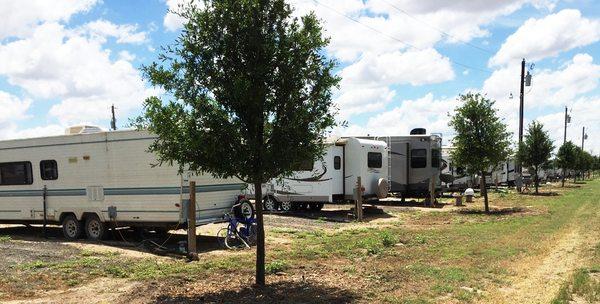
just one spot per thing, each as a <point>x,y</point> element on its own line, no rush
<point>191,221</point>
<point>358,194</point>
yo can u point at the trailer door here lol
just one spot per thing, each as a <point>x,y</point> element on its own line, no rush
<point>337,170</point>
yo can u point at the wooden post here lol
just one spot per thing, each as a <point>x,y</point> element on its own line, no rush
<point>358,206</point>
<point>192,249</point>
<point>432,191</point>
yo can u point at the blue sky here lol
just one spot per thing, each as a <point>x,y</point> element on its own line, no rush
<point>65,62</point>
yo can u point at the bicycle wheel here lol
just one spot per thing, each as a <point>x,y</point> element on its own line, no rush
<point>229,239</point>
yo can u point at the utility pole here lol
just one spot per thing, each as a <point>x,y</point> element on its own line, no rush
<point>582,137</point>
<point>566,119</point>
<point>521,104</point>
<point>113,121</point>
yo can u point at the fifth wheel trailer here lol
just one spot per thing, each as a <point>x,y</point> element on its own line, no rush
<point>87,182</point>
<point>413,160</point>
<point>332,178</point>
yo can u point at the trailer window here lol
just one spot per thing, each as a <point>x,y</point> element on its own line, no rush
<point>337,162</point>
<point>374,160</point>
<point>49,170</point>
<point>15,173</point>
<point>306,165</point>
<point>436,157</point>
<point>418,158</point>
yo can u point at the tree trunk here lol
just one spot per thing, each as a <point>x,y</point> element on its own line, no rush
<point>563,178</point>
<point>484,193</point>
<point>260,237</point>
<point>536,180</point>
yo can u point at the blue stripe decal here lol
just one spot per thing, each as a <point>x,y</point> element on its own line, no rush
<point>124,191</point>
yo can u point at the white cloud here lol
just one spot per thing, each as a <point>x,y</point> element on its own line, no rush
<point>18,18</point>
<point>49,130</point>
<point>363,100</point>
<point>464,20</point>
<point>172,21</point>
<point>124,33</point>
<point>585,112</point>
<point>426,112</point>
<point>546,37</point>
<point>411,67</point>
<point>549,87</point>
<point>56,63</point>
<point>13,110</point>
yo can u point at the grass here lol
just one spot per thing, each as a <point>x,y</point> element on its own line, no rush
<point>5,238</point>
<point>276,267</point>
<point>419,257</point>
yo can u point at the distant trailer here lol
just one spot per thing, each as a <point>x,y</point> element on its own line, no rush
<point>453,177</point>
<point>92,179</point>
<point>331,179</point>
<point>414,160</point>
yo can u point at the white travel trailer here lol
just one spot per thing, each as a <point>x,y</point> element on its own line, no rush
<point>453,177</point>
<point>333,178</point>
<point>414,160</point>
<point>87,182</point>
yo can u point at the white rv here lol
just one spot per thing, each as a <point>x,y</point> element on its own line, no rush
<point>453,177</point>
<point>413,159</point>
<point>333,178</point>
<point>87,182</point>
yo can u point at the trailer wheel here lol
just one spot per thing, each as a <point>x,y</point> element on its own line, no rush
<point>269,203</point>
<point>287,206</point>
<point>94,228</point>
<point>316,206</point>
<point>71,227</point>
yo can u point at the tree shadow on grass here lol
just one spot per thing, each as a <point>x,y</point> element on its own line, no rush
<point>541,194</point>
<point>338,215</point>
<point>494,211</point>
<point>279,292</point>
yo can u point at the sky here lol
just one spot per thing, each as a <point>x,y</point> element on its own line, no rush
<point>403,63</point>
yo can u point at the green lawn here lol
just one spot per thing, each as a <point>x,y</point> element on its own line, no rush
<point>416,257</point>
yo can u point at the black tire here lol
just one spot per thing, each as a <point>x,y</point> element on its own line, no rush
<point>287,206</point>
<point>302,206</point>
<point>244,209</point>
<point>316,206</point>
<point>71,227</point>
<point>94,228</point>
<point>270,203</point>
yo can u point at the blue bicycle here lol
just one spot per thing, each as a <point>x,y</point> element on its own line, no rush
<point>241,230</point>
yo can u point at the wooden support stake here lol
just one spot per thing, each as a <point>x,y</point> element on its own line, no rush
<point>192,249</point>
<point>432,192</point>
<point>359,194</point>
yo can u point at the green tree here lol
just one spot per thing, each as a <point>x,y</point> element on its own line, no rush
<point>566,158</point>
<point>250,95</point>
<point>481,139</point>
<point>535,150</point>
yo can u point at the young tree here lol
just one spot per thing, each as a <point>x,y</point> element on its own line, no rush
<point>481,139</point>
<point>251,95</point>
<point>566,158</point>
<point>535,150</point>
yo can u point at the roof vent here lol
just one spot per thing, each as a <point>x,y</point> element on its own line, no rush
<point>418,131</point>
<point>83,129</point>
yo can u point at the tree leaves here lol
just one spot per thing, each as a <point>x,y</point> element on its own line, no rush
<point>249,90</point>
<point>481,139</point>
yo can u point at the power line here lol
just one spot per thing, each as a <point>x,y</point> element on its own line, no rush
<point>438,29</point>
<point>398,40</point>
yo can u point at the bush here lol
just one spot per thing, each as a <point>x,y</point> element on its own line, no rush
<point>388,239</point>
<point>276,266</point>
